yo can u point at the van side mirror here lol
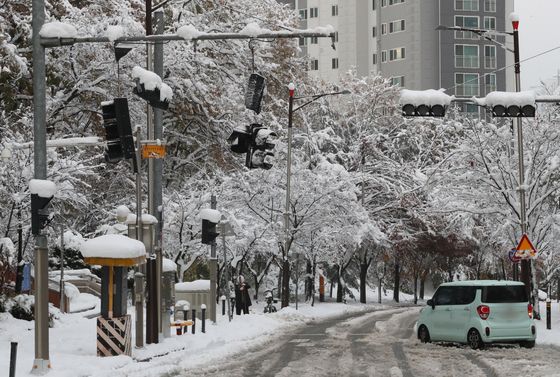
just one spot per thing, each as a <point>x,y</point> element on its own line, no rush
<point>431,303</point>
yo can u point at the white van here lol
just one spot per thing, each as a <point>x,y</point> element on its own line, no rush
<point>476,312</point>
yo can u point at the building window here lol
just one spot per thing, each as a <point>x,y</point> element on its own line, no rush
<point>374,32</point>
<point>314,64</point>
<point>383,3</point>
<point>466,21</point>
<point>470,5</point>
<point>466,84</point>
<point>398,81</point>
<point>396,54</point>
<point>335,63</point>
<point>393,2</point>
<point>490,83</point>
<point>303,41</point>
<point>490,23</point>
<point>303,14</point>
<point>374,60</point>
<point>396,26</point>
<point>383,29</point>
<point>373,4</point>
<point>314,40</point>
<point>313,12</point>
<point>489,5</point>
<point>490,57</point>
<point>335,10</point>
<point>383,56</point>
<point>336,36</point>
<point>466,56</point>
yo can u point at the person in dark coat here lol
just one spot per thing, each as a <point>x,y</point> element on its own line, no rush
<point>242,297</point>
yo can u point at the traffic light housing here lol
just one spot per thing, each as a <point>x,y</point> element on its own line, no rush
<point>210,218</point>
<point>240,139</point>
<point>118,132</point>
<point>254,93</point>
<point>153,97</point>
<point>511,104</point>
<point>39,213</point>
<point>424,103</point>
<point>261,147</point>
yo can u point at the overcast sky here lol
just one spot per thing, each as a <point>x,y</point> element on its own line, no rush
<point>539,30</point>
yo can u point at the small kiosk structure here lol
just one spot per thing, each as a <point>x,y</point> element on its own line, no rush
<point>114,253</point>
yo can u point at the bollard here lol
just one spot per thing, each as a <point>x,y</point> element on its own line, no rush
<point>203,317</point>
<point>548,319</point>
<point>179,330</point>
<point>186,316</point>
<point>13,356</point>
<point>223,298</point>
<point>193,320</point>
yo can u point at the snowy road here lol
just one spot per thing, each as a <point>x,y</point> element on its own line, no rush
<point>380,343</point>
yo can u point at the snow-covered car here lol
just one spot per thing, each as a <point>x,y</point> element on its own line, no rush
<point>477,312</point>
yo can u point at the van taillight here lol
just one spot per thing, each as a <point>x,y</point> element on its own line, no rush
<point>530,310</point>
<point>483,311</point>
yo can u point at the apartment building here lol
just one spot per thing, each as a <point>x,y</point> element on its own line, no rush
<point>398,39</point>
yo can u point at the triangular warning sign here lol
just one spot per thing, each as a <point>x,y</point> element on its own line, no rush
<point>526,246</point>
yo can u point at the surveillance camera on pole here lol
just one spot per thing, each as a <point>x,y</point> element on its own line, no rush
<point>424,103</point>
<point>511,105</point>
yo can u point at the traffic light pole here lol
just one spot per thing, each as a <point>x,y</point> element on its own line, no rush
<point>213,264</point>
<point>41,363</point>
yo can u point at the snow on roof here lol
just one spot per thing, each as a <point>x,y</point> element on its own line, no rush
<point>113,246</point>
<point>189,32</point>
<point>152,81</point>
<point>197,285</point>
<point>114,32</point>
<point>508,98</point>
<point>428,97</point>
<point>168,265</point>
<point>58,29</point>
<point>211,215</point>
<point>146,219</point>
<point>42,187</point>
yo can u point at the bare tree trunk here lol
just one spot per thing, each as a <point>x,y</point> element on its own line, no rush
<point>331,290</point>
<point>256,287</point>
<point>309,280</point>
<point>339,290</point>
<point>314,270</point>
<point>279,289</point>
<point>422,283</point>
<point>363,280</point>
<point>396,288</point>
<point>415,288</point>
<point>285,283</point>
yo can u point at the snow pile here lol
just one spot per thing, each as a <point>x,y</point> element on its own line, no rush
<point>146,219</point>
<point>211,215</point>
<point>253,30</point>
<point>41,187</point>
<point>114,32</point>
<point>123,212</point>
<point>197,285</point>
<point>188,32</point>
<point>58,29</point>
<point>152,81</point>
<point>428,97</point>
<point>113,246</point>
<point>168,265</point>
<point>508,98</point>
<point>71,291</point>
<point>7,250</point>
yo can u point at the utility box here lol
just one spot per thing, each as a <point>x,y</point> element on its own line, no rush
<point>195,292</point>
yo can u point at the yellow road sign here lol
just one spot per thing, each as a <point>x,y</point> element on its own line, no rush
<point>525,249</point>
<point>153,151</point>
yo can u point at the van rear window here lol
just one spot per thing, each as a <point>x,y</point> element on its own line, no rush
<point>504,293</point>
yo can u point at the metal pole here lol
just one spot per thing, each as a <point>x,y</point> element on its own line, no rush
<point>19,270</point>
<point>62,303</point>
<point>41,363</point>
<point>139,305</point>
<point>213,263</point>
<point>155,169</point>
<point>285,263</point>
<point>13,358</point>
<point>226,270</point>
<point>297,280</point>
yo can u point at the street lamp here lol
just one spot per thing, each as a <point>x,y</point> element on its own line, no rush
<point>291,111</point>
<point>528,274</point>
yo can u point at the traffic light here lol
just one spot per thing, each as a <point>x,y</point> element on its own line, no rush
<point>261,147</point>
<point>42,192</point>
<point>240,139</point>
<point>424,103</point>
<point>154,96</point>
<point>210,218</point>
<point>254,93</point>
<point>511,105</point>
<point>118,132</point>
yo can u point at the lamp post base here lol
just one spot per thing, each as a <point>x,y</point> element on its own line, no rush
<point>41,367</point>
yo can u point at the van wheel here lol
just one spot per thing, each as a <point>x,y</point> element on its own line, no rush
<point>424,334</point>
<point>474,339</point>
<point>527,344</point>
